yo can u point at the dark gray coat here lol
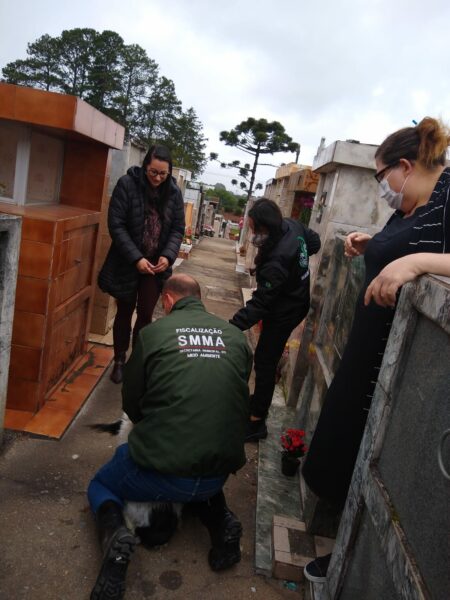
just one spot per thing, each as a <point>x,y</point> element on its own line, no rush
<point>119,275</point>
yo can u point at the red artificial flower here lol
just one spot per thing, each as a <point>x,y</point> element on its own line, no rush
<point>293,443</point>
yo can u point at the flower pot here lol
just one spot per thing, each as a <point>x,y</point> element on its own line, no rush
<point>289,465</point>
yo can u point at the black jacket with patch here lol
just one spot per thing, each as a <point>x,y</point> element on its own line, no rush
<point>282,293</point>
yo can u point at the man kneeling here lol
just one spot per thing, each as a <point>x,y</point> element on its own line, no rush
<point>185,389</point>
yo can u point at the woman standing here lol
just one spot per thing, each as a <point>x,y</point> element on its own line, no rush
<point>281,299</point>
<point>146,224</point>
<point>414,181</point>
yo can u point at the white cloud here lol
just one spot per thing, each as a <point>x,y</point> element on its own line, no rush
<point>338,70</point>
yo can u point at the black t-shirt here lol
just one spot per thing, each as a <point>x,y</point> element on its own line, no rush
<point>391,243</point>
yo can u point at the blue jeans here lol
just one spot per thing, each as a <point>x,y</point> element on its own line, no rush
<point>122,479</point>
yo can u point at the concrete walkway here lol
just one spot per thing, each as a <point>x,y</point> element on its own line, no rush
<point>50,550</point>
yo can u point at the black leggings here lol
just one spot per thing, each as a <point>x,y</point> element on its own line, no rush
<point>146,297</point>
<point>268,352</point>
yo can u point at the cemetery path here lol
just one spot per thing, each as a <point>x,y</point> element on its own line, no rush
<point>50,548</point>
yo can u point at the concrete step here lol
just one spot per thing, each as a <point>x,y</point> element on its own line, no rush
<point>282,545</point>
<point>293,548</point>
<point>277,494</point>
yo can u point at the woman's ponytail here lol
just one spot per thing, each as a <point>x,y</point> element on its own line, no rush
<point>434,140</point>
<point>426,143</point>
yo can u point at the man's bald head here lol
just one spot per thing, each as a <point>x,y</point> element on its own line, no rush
<point>179,286</point>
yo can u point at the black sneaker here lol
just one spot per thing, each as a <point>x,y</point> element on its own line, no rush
<point>117,372</point>
<point>316,570</point>
<point>226,550</point>
<point>110,584</point>
<point>256,430</point>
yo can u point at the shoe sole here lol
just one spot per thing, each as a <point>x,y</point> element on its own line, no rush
<point>110,584</point>
<point>314,578</point>
<point>255,437</point>
<point>225,563</point>
<point>230,553</point>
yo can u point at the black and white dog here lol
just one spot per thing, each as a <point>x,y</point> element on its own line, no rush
<point>153,522</point>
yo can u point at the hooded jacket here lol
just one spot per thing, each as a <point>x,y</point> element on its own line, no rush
<point>126,217</point>
<point>282,293</point>
<point>185,388</point>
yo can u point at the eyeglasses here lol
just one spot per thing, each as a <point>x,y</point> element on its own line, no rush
<point>155,173</point>
<point>380,175</point>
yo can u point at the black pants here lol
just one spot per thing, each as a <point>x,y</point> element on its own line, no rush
<point>146,297</point>
<point>268,352</point>
<point>333,450</point>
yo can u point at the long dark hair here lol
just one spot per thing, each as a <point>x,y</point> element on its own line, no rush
<point>161,153</point>
<point>267,217</point>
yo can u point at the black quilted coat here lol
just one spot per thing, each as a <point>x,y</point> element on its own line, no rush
<point>119,275</point>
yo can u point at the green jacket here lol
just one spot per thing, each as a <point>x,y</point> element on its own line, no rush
<point>185,388</point>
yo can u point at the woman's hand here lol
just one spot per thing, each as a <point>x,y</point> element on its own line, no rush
<point>383,289</point>
<point>356,243</point>
<point>162,265</point>
<point>145,267</point>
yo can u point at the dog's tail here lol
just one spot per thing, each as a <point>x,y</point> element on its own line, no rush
<point>112,428</point>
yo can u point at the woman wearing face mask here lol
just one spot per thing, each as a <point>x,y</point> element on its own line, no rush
<point>414,181</point>
<point>281,299</point>
<point>146,224</point>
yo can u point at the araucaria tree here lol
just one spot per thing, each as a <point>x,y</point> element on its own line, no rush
<point>121,81</point>
<point>256,137</point>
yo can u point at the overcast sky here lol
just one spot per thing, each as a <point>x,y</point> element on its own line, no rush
<point>346,69</point>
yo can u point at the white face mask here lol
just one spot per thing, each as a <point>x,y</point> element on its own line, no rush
<point>258,239</point>
<point>394,199</point>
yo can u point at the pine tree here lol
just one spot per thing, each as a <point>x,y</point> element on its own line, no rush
<point>256,137</point>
